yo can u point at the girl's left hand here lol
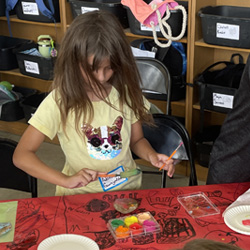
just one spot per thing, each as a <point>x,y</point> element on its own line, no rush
<point>158,160</point>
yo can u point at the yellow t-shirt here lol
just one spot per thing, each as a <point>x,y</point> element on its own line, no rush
<point>103,145</point>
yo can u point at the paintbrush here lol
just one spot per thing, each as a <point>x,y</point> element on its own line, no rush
<point>171,156</point>
<point>122,174</point>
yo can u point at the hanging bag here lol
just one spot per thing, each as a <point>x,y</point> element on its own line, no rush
<point>228,76</point>
<point>157,12</point>
<point>223,81</point>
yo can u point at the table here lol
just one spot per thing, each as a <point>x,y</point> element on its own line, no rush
<point>39,218</point>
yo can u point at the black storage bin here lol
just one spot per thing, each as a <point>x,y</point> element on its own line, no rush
<point>226,25</point>
<point>35,66</point>
<point>12,111</point>
<point>31,103</point>
<point>217,98</point>
<point>23,11</point>
<point>8,59</point>
<point>113,6</point>
<point>175,22</point>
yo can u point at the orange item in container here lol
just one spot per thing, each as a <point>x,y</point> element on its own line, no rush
<point>122,232</point>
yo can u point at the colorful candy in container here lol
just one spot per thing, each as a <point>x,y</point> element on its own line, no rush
<point>133,225</point>
<point>126,205</point>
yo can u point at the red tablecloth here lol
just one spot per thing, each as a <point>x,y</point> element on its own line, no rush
<point>88,215</point>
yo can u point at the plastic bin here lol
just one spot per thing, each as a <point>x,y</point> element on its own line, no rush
<point>35,66</point>
<point>8,59</point>
<point>226,25</point>
<point>217,98</point>
<point>175,22</point>
<point>31,103</point>
<point>28,10</point>
<point>13,111</point>
<point>113,6</point>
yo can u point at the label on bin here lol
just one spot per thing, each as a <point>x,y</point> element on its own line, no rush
<point>31,67</point>
<point>227,31</point>
<point>224,101</point>
<point>30,8</point>
<point>145,28</point>
<point>87,9</point>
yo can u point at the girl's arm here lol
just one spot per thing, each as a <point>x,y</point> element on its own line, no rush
<point>26,159</point>
<point>142,148</point>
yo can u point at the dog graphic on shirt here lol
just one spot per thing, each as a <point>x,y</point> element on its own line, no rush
<point>104,142</point>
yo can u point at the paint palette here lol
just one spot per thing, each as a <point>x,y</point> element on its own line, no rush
<point>198,205</point>
<point>134,225</point>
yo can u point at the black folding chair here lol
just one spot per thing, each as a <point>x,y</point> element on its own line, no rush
<point>156,80</point>
<point>12,177</point>
<point>165,138</point>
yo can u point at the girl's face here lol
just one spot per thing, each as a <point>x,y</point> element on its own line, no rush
<point>103,73</point>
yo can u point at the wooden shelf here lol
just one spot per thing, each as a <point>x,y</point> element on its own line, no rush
<point>14,19</point>
<point>18,79</point>
<point>129,34</point>
<point>18,127</point>
<point>201,43</point>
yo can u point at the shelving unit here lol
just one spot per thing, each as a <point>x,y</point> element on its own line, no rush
<point>29,30</point>
<point>203,55</point>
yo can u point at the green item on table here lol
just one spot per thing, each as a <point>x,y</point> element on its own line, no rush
<point>7,220</point>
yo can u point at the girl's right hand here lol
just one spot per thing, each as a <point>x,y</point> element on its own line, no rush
<point>81,179</point>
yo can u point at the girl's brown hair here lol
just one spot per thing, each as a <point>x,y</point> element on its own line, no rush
<point>97,33</point>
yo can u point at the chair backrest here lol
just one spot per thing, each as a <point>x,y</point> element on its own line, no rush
<point>165,138</point>
<point>12,177</point>
<point>156,79</point>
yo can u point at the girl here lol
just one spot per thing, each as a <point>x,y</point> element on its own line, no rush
<point>95,108</point>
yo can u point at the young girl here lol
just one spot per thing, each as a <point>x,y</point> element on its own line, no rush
<point>96,109</point>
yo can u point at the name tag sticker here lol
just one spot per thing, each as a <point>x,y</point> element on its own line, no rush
<point>224,101</point>
<point>31,67</point>
<point>87,9</point>
<point>227,31</point>
<point>30,8</point>
<point>108,183</point>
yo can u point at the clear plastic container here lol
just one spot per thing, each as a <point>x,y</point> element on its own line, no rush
<point>198,205</point>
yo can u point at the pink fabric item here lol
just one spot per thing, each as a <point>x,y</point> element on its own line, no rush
<point>144,13</point>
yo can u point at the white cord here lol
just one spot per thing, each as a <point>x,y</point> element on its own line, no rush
<point>163,22</point>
